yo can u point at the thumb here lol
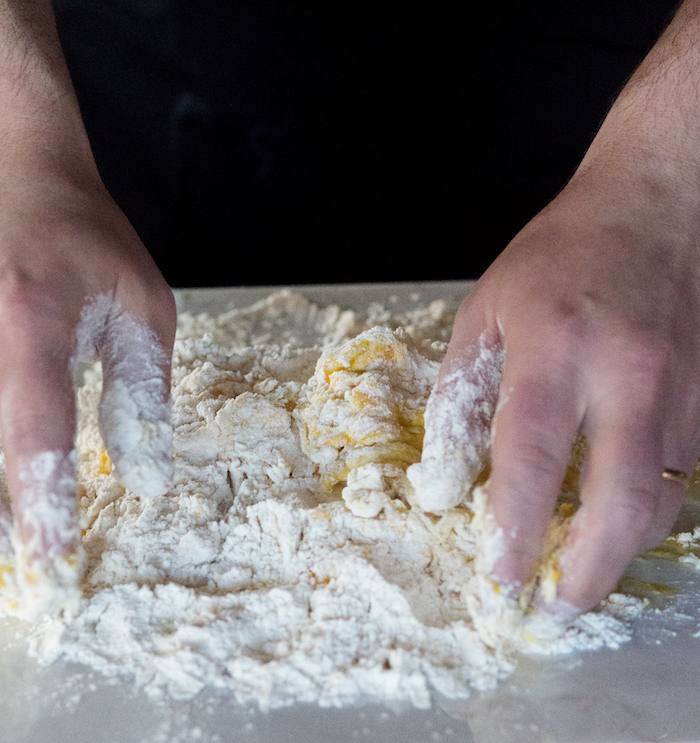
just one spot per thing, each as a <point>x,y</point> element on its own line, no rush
<point>134,414</point>
<point>458,423</point>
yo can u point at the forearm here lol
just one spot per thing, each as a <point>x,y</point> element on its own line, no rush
<point>40,121</point>
<point>664,92</point>
<point>654,125</point>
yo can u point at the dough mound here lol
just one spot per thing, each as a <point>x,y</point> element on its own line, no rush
<point>365,403</point>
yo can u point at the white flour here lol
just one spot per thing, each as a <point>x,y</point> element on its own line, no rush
<point>47,559</point>
<point>288,561</point>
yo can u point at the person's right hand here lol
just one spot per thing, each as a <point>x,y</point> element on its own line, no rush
<point>588,323</point>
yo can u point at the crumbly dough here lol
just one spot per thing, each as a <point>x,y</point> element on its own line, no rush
<point>360,415</point>
<point>288,562</point>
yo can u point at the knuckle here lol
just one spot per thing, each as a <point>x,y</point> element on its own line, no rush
<point>538,458</point>
<point>538,405</point>
<point>32,430</point>
<point>643,351</point>
<point>635,511</point>
<point>151,299</point>
<point>570,320</point>
<point>531,473</point>
<point>165,318</point>
<point>642,370</point>
<point>31,314</point>
<point>20,296</point>
<point>648,357</point>
<point>669,507</point>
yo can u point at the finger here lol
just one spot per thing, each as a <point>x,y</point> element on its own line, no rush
<point>626,504</point>
<point>534,430</point>
<point>37,422</point>
<point>134,415</point>
<point>457,425</point>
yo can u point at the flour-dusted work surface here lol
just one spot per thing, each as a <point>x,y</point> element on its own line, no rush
<point>288,589</point>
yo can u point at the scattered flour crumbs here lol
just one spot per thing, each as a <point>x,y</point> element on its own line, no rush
<point>288,562</point>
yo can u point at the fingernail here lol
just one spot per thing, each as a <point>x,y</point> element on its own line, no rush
<point>559,610</point>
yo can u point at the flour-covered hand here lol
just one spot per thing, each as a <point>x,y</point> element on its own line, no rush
<point>595,307</point>
<point>75,281</point>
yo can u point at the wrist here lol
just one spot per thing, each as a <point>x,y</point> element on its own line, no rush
<point>642,178</point>
<point>653,127</point>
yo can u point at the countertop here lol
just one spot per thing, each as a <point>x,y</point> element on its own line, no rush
<point>645,691</point>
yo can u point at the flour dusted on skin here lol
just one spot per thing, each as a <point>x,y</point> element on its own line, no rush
<point>135,406</point>
<point>284,565</point>
<point>41,571</point>
<point>458,429</point>
<point>41,555</point>
<point>510,620</point>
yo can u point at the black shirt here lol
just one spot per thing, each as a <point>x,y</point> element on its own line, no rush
<point>295,142</point>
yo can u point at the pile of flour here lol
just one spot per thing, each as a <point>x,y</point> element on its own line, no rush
<point>251,577</point>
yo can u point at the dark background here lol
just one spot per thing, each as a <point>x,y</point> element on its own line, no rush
<point>293,142</point>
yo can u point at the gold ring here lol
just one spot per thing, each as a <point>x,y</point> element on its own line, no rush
<point>676,476</point>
